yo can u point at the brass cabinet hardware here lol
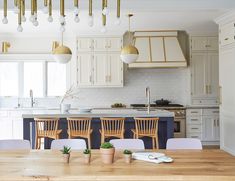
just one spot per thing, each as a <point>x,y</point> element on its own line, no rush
<point>5,46</point>
<point>226,39</point>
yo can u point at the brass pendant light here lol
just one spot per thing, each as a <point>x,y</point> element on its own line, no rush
<point>129,53</point>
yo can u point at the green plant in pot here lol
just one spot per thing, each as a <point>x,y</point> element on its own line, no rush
<point>66,153</point>
<point>107,152</point>
<point>87,156</point>
<point>127,156</point>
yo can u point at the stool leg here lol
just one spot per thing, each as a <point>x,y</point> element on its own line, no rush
<point>157,144</point>
<point>89,141</point>
<point>153,142</point>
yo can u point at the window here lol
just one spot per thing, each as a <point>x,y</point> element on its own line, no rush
<point>56,79</point>
<point>9,79</point>
<point>33,78</point>
<point>44,78</point>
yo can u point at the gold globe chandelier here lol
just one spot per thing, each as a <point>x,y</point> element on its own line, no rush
<point>19,9</point>
<point>129,53</point>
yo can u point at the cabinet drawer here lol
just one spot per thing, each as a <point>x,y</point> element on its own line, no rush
<point>194,135</point>
<point>227,34</point>
<point>194,128</point>
<point>193,112</point>
<point>212,112</point>
<point>204,102</point>
<point>194,120</point>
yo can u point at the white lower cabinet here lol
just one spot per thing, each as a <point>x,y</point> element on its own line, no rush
<point>11,124</point>
<point>204,125</point>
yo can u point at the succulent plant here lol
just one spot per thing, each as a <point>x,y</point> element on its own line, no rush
<point>127,152</point>
<point>87,151</point>
<point>66,150</point>
<point>106,145</point>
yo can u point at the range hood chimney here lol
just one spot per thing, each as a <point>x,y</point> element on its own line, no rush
<point>158,49</point>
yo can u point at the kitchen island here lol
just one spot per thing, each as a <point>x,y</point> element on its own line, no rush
<point>166,124</point>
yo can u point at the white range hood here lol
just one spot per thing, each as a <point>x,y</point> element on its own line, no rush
<point>158,49</point>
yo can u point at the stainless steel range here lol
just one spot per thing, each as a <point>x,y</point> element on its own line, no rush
<point>180,116</point>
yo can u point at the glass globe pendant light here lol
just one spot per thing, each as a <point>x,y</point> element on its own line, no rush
<point>90,15</point>
<point>129,53</point>
<point>118,20</point>
<point>50,18</point>
<point>20,28</point>
<point>5,20</point>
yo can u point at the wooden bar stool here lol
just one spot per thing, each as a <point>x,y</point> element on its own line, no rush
<point>112,127</point>
<point>80,127</point>
<point>46,128</point>
<point>147,127</point>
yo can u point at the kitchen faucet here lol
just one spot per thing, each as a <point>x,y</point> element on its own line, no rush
<point>31,97</point>
<point>147,91</point>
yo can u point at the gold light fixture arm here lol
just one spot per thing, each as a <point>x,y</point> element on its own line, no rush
<point>129,27</point>
<point>20,12</point>
<point>5,8</point>
<point>62,8</point>
<point>76,3</point>
<point>118,8</point>
<point>15,3</point>
<point>5,46</point>
<point>50,7</point>
<point>23,7</point>
<point>45,3</point>
<point>35,6</point>
<point>90,7</point>
<point>32,7</point>
<point>104,4</point>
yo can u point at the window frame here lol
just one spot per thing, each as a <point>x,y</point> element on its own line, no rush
<point>45,76</point>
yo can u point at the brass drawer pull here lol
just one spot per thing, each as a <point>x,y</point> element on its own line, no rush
<point>226,39</point>
<point>194,128</point>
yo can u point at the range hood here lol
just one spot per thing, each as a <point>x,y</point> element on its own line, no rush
<point>158,49</point>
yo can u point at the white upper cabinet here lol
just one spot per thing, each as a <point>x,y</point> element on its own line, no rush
<point>102,66</point>
<point>142,44</point>
<point>99,44</point>
<point>204,71</point>
<point>199,43</point>
<point>227,34</point>
<point>157,44</point>
<point>84,44</point>
<point>84,70</point>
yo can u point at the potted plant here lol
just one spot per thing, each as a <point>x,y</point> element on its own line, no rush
<point>66,153</point>
<point>87,156</point>
<point>127,156</point>
<point>107,152</point>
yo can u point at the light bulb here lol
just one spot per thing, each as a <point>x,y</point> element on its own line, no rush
<point>16,10</point>
<point>118,21</point>
<point>5,20</point>
<point>32,18</point>
<point>23,18</point>
<point>45,9</point>
<point>50,19</point>
<point>19,28</point>
<point>35,23</point>
<point>62,19</point>
<point>62,28</point>
<point>90,21</point>
<point>103,29</point>
<point>76,18</point>
<point>76,10</point>
<point>105,11</point>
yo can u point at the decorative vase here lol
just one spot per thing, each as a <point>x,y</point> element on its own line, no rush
<point>107,155</point>
<point>128,158</point>
<point>64,108</point>
<point>87,158</point>
<point>66,158</point>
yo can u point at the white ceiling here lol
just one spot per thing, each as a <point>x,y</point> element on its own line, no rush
<point>189,15</point>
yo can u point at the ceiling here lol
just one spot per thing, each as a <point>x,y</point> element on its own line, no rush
<point>190,15</point>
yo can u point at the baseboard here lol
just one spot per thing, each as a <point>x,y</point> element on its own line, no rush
<point>232,152</point>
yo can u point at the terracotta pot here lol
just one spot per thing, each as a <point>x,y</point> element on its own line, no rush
<point>128,158</point>
<point>87,158</point>
<point>107,155</point>
<point>66,158</point>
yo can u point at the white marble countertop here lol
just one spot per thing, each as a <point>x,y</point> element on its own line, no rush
<point>98,113</point>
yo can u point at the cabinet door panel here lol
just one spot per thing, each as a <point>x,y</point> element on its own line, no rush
<point>114,44</point>
<point>198,70</point>
<point>17,128</point>
<point>115,70</point>
<point>84,69</point>
<point>85,44</point>
<point>100,44</point>
<point>199,43</point>
<point>5,128</point>
<point>213,74</point>
<point>142,44</point>
<point>212,43</point>
<point>157,44</point>
<point>209,128</point>
<point>227,35</point>
<point>100,69</point>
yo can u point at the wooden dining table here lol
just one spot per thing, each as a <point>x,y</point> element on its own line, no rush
<point>211,165</point>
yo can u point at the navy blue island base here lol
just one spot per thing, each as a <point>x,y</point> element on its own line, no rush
<point>165,131</point>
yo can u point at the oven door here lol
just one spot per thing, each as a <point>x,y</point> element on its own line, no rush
<point>179,128</point>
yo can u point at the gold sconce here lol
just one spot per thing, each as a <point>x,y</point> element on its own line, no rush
<point>5,46</point>
<point>55,44</point>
